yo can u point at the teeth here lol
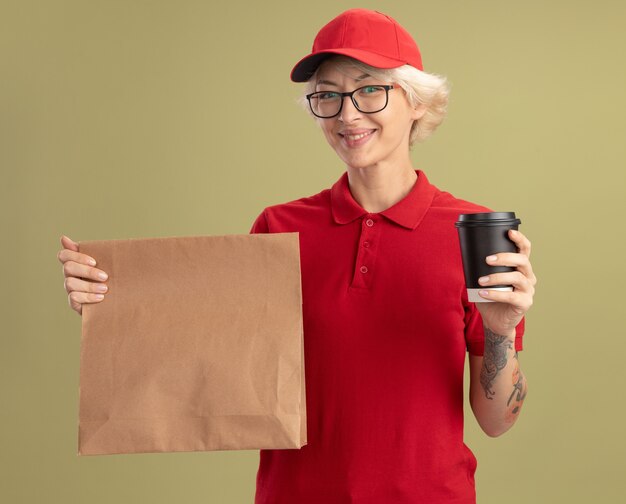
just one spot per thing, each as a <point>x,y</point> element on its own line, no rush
<point>358,137</point>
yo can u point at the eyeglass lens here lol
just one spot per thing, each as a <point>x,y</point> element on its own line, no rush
<point>367,99</point>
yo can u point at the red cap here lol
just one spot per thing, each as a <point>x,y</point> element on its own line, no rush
<point>366,35</point>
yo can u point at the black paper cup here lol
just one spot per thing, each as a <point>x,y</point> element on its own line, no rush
<point>482,235</point>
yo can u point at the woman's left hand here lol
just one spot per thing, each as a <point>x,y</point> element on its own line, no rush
<point>509,308</point>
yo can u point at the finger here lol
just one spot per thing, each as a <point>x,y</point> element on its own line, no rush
<point>70,255</point>
<point>80,285</point>
<point>77,299</point>
<point>514,259</point>
<point>72,268</point>
<point>521,301</point>
<point>68,243</point>
<point>523,243</point>
<point>515,278</point>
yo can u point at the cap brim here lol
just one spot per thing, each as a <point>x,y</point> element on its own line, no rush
<point>306,67</point>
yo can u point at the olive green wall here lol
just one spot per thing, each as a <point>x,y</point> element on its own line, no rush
<point>128,119</point>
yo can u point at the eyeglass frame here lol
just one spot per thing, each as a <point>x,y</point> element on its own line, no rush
<point>386,87</point>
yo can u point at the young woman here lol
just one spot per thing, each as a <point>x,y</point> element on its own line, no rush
<point>387,321</point>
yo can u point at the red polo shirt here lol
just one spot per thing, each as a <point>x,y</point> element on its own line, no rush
<point>387,324</point>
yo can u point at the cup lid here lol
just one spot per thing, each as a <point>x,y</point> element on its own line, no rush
<point>488,219</point>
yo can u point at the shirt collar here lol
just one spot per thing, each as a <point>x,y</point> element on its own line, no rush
<point>407,212</point>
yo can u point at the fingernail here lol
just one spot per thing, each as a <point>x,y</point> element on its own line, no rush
<point>102,276</point>
<point>491,258</point>
<point>101,288</point>
<point>483,292</point>
<point>92,261</point>
<point>483,279</point>
<point>99,296</point>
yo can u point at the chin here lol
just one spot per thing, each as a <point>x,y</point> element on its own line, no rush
<point>360,166</point>
<point>359,161</point>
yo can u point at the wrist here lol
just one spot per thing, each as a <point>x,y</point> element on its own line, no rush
<point>491,333</point>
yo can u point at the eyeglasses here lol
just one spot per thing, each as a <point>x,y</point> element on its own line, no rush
<point>368,99</point>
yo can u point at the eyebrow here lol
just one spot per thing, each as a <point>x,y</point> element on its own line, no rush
<point>330,83</point>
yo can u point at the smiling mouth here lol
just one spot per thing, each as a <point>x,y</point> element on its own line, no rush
<point>353,138</point>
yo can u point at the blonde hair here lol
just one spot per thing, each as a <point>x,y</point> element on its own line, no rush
<point>420,87</point>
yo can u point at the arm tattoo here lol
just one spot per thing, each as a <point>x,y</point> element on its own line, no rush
<point>494,359</point>
<point>519,392</point>
<point>518,384</point>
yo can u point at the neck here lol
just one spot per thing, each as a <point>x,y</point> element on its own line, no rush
<point>377,188</point>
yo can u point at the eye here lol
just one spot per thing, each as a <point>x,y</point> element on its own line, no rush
<point>371,89</point>
<point>327,95</point>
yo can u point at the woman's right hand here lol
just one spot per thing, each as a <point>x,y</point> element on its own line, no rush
<point>78,271</point>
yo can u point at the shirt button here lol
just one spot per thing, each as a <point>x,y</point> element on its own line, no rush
<point>366,244</point>
<point>363,269</point>
<point>369,222</point>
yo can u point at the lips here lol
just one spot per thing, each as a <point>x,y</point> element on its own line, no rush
<point>356,134</point>
<point>356,138</point>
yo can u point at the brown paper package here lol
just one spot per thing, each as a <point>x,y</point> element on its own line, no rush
<point>197,346</point>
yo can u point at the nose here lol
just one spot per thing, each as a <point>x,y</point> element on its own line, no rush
<point>348,111</point>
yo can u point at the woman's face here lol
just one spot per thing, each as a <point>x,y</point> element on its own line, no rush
<point>387,132</point>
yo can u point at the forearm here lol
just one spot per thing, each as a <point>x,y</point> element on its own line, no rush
<point>497,397</point>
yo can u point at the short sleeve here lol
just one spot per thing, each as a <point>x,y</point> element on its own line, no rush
<point>475,331</point>
<point>260,224</point>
